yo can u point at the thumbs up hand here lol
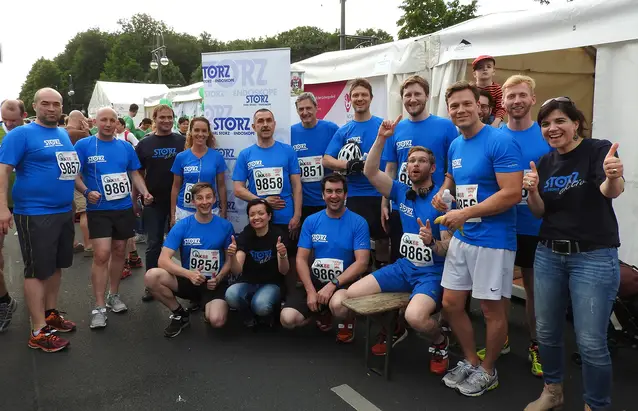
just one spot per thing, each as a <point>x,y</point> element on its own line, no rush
<point>232,248</point>
<point>425,231</point>
<point>612,165</point>
<point>281,248</point>
<point>530,180</point>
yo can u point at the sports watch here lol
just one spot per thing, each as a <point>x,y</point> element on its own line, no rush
<point>335,281</point>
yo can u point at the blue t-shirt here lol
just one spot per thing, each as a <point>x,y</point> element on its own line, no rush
<point>416,256</point>
<point>364,133</point>
<point>533,147</point>
<point>105,167</point>
<point>310,145</point>
<point>334,241</point>
<point>268,172</point>
<point>435,133</point>
<point>194,170</point>
<point>201,246</point>
<point>473,163</point>
<point>45,164</point>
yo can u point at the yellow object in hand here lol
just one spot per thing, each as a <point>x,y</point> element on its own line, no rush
<point>439,219</point>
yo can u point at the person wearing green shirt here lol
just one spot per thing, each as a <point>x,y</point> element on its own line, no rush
<point>130,124</point>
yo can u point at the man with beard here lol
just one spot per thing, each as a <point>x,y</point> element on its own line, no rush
<point>46,165</point>
<point>12,113</point>
<point>518,99</point>
<point>423,244</point>
<point>339,239</point>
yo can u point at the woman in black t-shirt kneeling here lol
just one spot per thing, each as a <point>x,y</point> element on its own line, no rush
<point>261,258</point>
<point>577,256</point>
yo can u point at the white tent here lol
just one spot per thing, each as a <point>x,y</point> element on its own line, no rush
<point>186,101</point>
<point>587,49</point>
<point>120,96</point>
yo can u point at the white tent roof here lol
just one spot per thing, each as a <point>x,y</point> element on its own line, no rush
<point>176,95</point>
<point>121,95</point>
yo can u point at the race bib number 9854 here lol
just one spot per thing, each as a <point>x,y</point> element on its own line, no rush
<point>69,164</point>
<point>415,251</point>
<point>467,196</point>
<point>325,269</point>
<point>206,261</point>
<point>311,169</point>
<point>269,181</point>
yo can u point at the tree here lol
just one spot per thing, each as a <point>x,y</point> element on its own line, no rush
<point>128,60</point>
<point>547,1</point>
<point>44,73</point>
<point>305,42</point>
<point>171,75</point>
<point>428,16</point>
<point>380,35</point>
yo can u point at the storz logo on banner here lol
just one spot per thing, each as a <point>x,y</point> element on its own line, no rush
<point>241,72</point>
<point>232,126</point>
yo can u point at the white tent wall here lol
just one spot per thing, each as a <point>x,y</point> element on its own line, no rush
<point>615,108</point>
<point>186,101</point>
<point>120,96</point>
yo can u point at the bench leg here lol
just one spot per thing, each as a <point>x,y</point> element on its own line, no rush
<point>368,346</point>
<point>390,325</point>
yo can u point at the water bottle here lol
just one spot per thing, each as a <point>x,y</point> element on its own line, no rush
<point>447,199</point>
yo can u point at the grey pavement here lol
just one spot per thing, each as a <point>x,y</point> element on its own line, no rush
<point>131,366</point>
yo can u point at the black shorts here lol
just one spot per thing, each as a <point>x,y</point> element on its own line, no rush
<point>369,207</point>
<point>291,244</point>
<point>525,250</point>
<point>200,294</point>
<point>46,242</point>
<point>296,298</point>
<point>115,224</point>
<point>396,232</point>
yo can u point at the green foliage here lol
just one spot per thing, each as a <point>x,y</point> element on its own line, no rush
<point>44,73</point>
<point>428,16</point>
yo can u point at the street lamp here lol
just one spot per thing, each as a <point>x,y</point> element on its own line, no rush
<point>159,54</point>
<point>71,92</point>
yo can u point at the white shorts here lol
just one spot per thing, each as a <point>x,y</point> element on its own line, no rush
<point>487,272</point>
<point>181,214</point>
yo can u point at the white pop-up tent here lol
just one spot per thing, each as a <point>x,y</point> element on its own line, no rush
<point>120,96</point>
<point>186,101</point>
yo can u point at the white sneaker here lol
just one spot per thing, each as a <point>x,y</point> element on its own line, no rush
<point>114,302</point>
<point>98,318</point>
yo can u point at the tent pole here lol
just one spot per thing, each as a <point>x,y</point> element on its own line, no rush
<point>342,36</point>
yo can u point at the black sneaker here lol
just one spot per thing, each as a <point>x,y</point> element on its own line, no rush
<point>178,323</point>
<point>147,296</point>
<point>194,307</point>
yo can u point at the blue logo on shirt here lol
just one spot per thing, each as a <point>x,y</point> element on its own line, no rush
<point>261,257</point>
<point>165,153</point>
<point>563,183</point>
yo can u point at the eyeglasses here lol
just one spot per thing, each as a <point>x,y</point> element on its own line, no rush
<point>559,100</point>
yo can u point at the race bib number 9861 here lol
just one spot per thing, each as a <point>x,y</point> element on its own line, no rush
<point>467,196</point>
<point>415,251</point>
<point>69,164</point>
<point>116,186</point>
<point>269,181</point>
<point>326,269</point>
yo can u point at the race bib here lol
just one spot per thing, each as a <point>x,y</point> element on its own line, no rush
<point>325,269</point>
<point>269,181</point>
<point>311,169</point>
<point>467,196</point>
<point>116,186</point>
<point>69,164</point>
<point>403,175</point>
<point>413,249</point>
<point>525,192</point>
<point>206,261</point>
<point>188,197</point>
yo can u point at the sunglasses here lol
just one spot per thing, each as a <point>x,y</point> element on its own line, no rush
<point>557,99</point>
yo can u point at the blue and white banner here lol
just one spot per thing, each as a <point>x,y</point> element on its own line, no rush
<point>236,84</point>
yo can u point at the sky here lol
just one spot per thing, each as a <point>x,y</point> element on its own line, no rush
<point>44,29</point>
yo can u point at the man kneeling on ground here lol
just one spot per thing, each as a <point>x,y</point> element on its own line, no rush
<point>203,241</point>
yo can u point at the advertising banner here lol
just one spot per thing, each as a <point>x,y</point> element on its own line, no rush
<point>236,84</point>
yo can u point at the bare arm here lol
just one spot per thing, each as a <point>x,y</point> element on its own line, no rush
<point>334,164</point>
<point>225,270</point>
<point>239,187</point>
<point>441,246</point>
<point>6,221</point>
<point>358,267</point>
<point>612,188</point>
<point>297,193</point>
<point>223,195</point>
<point>508,196</point>
<point>283,264</point>
<point>177,184</point>
<point>380,180</point>
<point>237,262</point>
<point>535,203</point>
<point>138,182</point>
<point>79,184</point>
<point>303,269</point>
<point>166,262</point>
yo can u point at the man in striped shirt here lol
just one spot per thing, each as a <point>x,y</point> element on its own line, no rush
<point>484,69</point>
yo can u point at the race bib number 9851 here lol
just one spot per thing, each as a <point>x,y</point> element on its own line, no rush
<point>311,169</point>
<point>467,196</point>
<point>269,181</point>
<point>326,269</point>
<point>415,251</point>
<point>206,261</point>
<point>403,175</point>
<point>116,186</point>
<point>69,164</point>
<point>525,192</point>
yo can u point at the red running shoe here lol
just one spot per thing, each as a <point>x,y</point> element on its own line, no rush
<point>47,341</point>
<point>439,360</point>
<point>59,323</point>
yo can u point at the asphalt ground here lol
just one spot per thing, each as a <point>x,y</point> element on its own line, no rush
<point>131,366</point>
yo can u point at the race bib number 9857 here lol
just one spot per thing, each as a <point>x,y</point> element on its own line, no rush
<point>326,269</point>
<point>467,196</point>
<point>69,164</point>
<point>269,181</point>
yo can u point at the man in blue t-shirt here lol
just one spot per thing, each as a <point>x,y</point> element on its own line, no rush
<point>270,170</point>
<point>202,241</point>
<point>485,172</point>
<point>46,165</point>
<point>518,99</point>
<point>423,248</point>
<point>419,129</point>
<point>339,241</point>
<point>310,138</point>
<point>346,153</point>
<point>109,166</point>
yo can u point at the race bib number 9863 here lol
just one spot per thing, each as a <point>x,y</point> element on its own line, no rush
<point>269,181</point>
<point>326,269</point>
<point>69,164</point>
<point>415,251</point>
<point>467,196</point>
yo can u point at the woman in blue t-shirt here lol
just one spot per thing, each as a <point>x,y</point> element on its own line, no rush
<point>576,260</point>
<point>199,162</point>
<point>259,254</point>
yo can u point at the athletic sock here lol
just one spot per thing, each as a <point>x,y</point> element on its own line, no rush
<point>180,311</point>
<point>5,299</point>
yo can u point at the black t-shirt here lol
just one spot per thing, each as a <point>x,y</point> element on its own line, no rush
<point>157,154</point>
<point>569,185</point>
<point>261,264</point>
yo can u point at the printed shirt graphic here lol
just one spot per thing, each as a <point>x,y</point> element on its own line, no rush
<point>335,238</point>
<point>435,133</point>
<point>105,168</point>
<point>41,186</point>
<point>261,265</point>
<point>157,155</point>
<point>187,165</point>
<point>409,211</point>
<point>533,147</point>
<point>474,163</point>
<point>310,145</point>
<point>188,234</point>
<point>364,133</point>
<point>268,170</point>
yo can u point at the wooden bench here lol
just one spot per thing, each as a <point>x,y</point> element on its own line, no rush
<point>383,308</point>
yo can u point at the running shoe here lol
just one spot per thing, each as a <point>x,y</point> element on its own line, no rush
<point>458,374</point>
<point>56,321</point>
<point>114,302</point>
<point>177,324</point>
<point>478,383</point>
<point>399,335</point>
<point>47,341</point>
<point>6,313</point>
<point>345,334</point>
<point>439,361</point>
<point>98,318</point>
<point>534,358</point>
<point>147,297</point>
<point>135,262</point>
<point>126,271</point>
<point>505,350</point>
<point>324,321</point>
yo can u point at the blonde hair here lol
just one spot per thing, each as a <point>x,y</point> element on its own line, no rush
<point>517,79</point>
<point>210,141</point>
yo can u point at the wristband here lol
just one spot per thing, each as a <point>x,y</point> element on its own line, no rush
<point>282,257</point>
<point>86,192</point>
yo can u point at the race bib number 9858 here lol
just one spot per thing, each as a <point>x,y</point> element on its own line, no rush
<point>467,196</point>
<point>326,269</point>
<point>69,164</point>
<point>415,251</point>
<point>206,261</point>
<point>311,169</point>
<point>269,181</point>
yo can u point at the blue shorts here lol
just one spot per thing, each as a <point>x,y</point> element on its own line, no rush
<point>401,278</point>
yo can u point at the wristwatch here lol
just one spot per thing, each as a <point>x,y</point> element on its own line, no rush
<point>335,281</point>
